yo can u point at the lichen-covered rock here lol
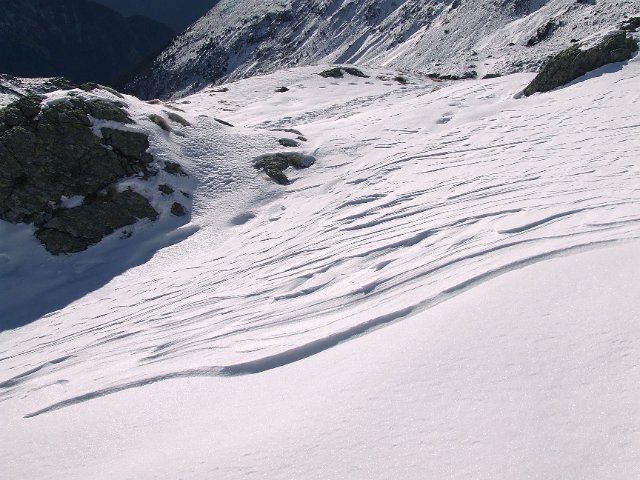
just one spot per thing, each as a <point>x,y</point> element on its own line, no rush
<point>75,229</point>
<point>337,72</point>
<point>574,62</point>
<point>105,110</point>
<point>173,168</point>
<point>50,152</point>
<point>133,145</point>
<point>274,164</point>
<point>288,142</point>
<point>631,25</point>
<point>165,189</point>
<point>91,86</point>
<point>178,209</point>
<point>174,117</point>
<point>160,121</point>
<point>543,33</point>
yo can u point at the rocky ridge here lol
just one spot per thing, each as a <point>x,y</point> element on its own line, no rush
<point>63,161</point>
<point>443,38</point>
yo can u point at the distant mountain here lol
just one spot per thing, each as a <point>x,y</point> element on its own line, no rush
<point>178,14</point>
<point>458,38</point>
<point>77,39</point>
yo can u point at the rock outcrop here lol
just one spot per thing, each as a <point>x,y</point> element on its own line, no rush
<point>58,175</point>
<point>575,62</point>
<point>274,164</point>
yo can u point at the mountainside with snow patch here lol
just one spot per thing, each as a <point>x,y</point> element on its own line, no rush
<point>449,290</point>
<point>461,37</point>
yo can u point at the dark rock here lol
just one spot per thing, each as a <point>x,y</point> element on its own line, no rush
<point>59,83</point>
<point>91,86</point>
<point>105,110</point>
<point>465,76</point>
<point>159,121</point>
<point>178,209</point>
<point>274,164</point>
<point>173,168</point>
<point>282,89</point>
<point>166,189</point>
<point>337,72</point>
<point>287,142</point>
<point>332,73</point>
<point>355,72</point>
<point>223,122</point>
<point>51,152</point>
<point>289,130</point>
<point>75,229</point>
<point>401,79</point>
<point>574,62</point>
<point>631,25</point>
<point>133,145</point>
<point>543,33</point>
<point>174,117</point>
<point>491,75</point>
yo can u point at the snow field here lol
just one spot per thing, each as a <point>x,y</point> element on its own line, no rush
<point>424,206</point>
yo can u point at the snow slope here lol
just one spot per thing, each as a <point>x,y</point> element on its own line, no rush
<point>465,390</point>
<point>240,39</point>
<point>426,209</point>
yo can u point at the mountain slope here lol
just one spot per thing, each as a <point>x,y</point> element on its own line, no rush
<point>77,39</point>
<point>419,192</point>
<point>495,235</point>
<point>463,37</point>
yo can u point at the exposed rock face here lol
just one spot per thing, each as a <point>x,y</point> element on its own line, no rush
<point>75,229</point>
<point>544,32</point>
<point>274,164</point>
<point>338,72</point>
<point>574,62</point>
<point>237,39</point>
<point>50,154</point>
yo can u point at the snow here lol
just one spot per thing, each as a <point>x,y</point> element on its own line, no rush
<point>549,390</point>
<point>450,291</point>
<point>240,39</point>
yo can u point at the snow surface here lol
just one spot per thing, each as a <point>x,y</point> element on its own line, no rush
<point>465,390</point>
<point>449,213</point>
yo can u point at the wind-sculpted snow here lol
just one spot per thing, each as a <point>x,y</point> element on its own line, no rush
<point>401,211</point>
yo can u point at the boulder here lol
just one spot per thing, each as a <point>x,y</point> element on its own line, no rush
<point>575,62</point>
<point>338,72</point>
<point>288,142</point>
<point>274,164</point>
<point>75,229</point>
<point>49,153</point>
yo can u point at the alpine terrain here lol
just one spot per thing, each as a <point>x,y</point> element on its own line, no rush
<point>331,239</point>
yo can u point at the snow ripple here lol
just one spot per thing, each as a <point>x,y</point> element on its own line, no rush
<point>366,237</point>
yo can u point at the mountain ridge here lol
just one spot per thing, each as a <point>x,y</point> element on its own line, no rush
<point>456,38</point>
<point>77,39</point>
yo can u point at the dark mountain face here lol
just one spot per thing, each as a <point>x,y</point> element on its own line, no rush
<point>440,38</point>
<point>178,14</point>
<point>77,39</point>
